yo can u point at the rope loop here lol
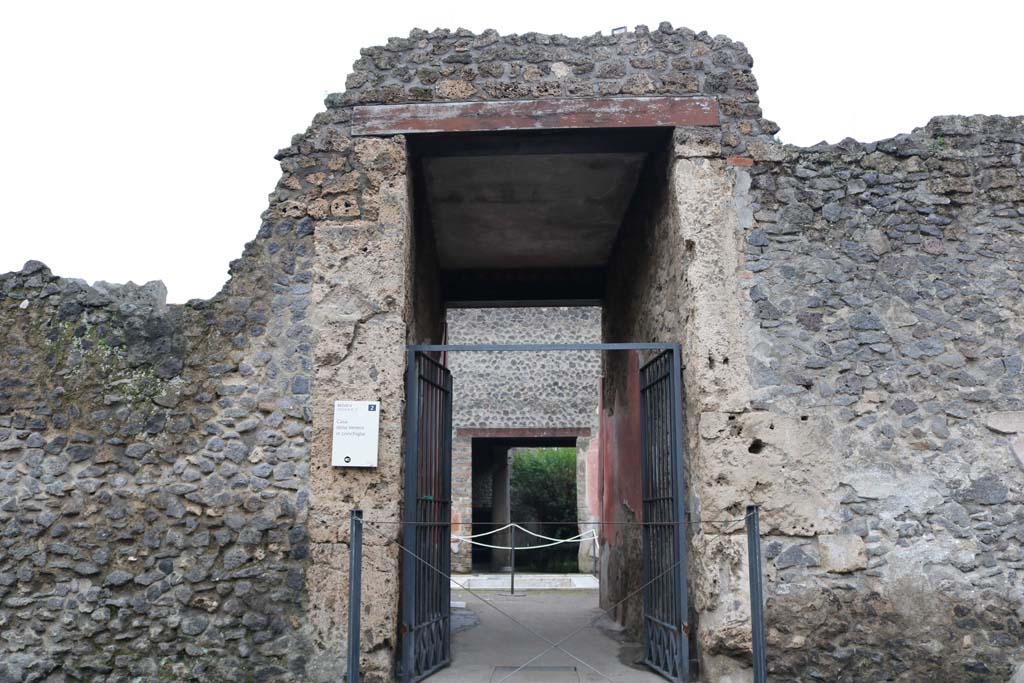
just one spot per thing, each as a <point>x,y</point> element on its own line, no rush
<point>578,538</point>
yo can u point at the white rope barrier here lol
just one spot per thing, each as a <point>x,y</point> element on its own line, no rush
<point>579,538</point>
<point>485,533</point>
<point>548,538</point>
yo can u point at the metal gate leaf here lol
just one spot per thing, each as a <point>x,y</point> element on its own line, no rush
<point>426,594</point>
<point>666,644</point>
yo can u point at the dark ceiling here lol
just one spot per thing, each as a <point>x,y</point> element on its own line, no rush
<point>540,209</point>
<point>528,211</point>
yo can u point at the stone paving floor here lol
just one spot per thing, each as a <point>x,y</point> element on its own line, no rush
<point>487,646</point>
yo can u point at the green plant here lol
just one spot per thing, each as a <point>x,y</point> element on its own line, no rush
<point>544,490</point>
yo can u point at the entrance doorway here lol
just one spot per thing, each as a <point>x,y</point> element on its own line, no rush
<point>531,481</point>
<point>561,216</point>
<point>426,644</point>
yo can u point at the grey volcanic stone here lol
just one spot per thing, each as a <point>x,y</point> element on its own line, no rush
<point>796,556</point>
<point>987,490</point>
<point>235,557</point>
<point>137,450</point>
<point>194,624</point>
<point>117,578</point>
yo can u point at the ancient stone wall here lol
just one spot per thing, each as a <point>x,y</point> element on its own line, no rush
<point>886,307</point>
<point>852,325</point>
<point>851,317</point>
<point>153,469</point>
<point>460,65</point>
<point>541,389</point>
<point>364,317</point>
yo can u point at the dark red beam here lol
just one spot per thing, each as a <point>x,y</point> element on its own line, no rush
<point>600,112</point>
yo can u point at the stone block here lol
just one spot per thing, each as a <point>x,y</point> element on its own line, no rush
<point>1005,422</point>
<point>698,141</point>
<point>842,553</point>
<point>1017,445</point>
<point>761,150</point>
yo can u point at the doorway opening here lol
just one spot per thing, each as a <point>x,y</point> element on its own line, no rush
<point>526,220</point>
<point>531,481</point>
<point>426,578</point>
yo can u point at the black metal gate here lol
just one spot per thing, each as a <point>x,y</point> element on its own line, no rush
<point>426,560</point>
<point>666,633</point>
<point>426,599</point>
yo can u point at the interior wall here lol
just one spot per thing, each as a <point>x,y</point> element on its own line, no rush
<point>426,306</point>
<point>588,501</point>
<point>530,394</point>
<point>644,295</point>
<point>643,304</point>
<point>621,500</point>
<point>463,478</point>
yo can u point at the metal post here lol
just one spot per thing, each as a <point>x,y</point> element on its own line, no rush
<point>756,594</point>
<point>512,589</point>
<point>355,581</point>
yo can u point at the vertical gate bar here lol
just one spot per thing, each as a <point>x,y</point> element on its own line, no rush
<point>446,587</point>
<point>645,512</point>
<point>355,585</point>
<point>658,518</point>
<point>422,457</point>
<point>425,529</point>
<point>756,594</point>
<point>512,585</point>
<point>408,591</point>
<point>431,531</point>
<point>671,599</point>
<point>680,509</point>
<point>438,518</point>
<point>427,551</point>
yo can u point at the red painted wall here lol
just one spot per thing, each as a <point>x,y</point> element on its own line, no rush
<point>621,497</point>
<point>620,455</point>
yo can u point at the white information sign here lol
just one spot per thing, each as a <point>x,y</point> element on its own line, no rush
<point>356,428</point>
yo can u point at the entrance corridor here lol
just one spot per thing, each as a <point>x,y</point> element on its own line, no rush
<point>488,646</point>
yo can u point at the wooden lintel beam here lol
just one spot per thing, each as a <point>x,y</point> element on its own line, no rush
<point>599,112</point>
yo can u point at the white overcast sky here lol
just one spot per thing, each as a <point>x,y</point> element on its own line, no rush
<point>138,137</point>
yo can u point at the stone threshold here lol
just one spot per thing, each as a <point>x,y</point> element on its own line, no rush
<point>500,582</point>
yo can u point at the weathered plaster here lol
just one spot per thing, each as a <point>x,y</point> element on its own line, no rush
<point>361,292</point>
